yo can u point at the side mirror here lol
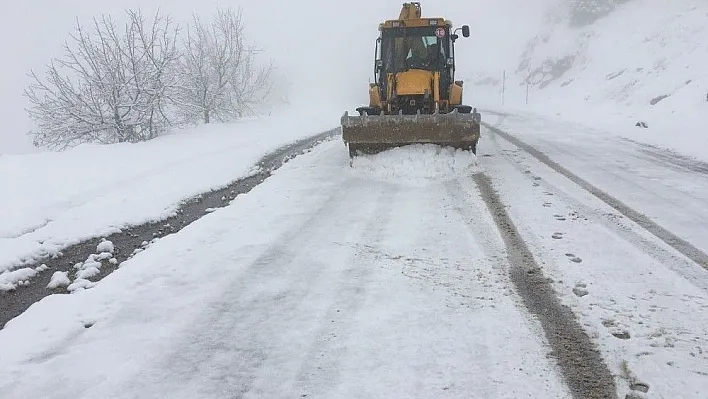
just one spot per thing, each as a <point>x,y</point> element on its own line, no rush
<point>465,31</point>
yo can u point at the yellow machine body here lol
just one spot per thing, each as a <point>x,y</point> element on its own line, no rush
<point>415,98</point>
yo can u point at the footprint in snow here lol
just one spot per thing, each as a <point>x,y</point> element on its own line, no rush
<point>640,387</point>
<point>609,323</point>
<point>560,218</point>
<point>574,258</point>
<point>557,236</point>
<point>620,334</point>
<point>547,204</point>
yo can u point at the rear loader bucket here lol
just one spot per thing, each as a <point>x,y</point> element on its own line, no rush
<point>372,134</point>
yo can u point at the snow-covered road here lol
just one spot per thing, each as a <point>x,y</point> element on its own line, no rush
<point>324,281</point>
<point>388,279</point>
<point>668,188</point>
<point>636,293</point>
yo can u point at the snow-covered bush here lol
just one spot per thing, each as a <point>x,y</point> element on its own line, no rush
<point>127,84</point>
<point>112,84</point>
<point>220,78</point>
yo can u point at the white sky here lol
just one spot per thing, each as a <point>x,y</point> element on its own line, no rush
<point>324,47</point>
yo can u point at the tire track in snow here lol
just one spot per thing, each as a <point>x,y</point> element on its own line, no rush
<point>666,157</point>
<point>676,242</point>
<point>625,357</point>
<point>239,337</point>
<point>480,225</point>
<point>321,368</point>
<point>647,244</point>
<point>582,366</point>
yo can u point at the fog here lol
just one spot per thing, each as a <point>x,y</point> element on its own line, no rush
<point>323,47</point>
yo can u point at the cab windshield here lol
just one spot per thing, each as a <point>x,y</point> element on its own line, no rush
<point>414,48</point>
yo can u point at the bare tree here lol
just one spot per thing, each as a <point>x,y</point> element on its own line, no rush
<point>221,80</point>
<point>110,86</point>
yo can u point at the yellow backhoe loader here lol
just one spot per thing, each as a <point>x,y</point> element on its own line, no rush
<point>415,98</point>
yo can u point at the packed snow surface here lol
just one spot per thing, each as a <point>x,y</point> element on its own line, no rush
<point>387,277</point>
<point>643,302</point>
<point>667,187</point>
<point>322,281</point>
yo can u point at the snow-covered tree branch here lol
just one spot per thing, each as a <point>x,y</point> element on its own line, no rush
<point>129,82</point>
<point>221,78</point>
<point>110,86</point>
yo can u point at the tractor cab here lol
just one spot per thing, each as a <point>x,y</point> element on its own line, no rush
<point>424,48</point>
<point>415,63</point>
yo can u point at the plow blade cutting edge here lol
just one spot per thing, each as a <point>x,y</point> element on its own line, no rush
<point>374,133</point>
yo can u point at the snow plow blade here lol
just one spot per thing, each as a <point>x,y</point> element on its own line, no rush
<point>369,134</point>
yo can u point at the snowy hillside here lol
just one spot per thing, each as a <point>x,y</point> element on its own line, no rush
<point>615,65</point>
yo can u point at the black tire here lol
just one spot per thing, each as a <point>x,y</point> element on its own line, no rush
<point>464,109</point>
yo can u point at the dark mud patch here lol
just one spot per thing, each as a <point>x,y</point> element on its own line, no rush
<point>580,362</point>
<point>13,303</point>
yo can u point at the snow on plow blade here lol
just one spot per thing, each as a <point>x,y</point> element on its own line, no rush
<point>371,134</point>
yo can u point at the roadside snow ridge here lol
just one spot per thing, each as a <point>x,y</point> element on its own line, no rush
<point>417,165</point>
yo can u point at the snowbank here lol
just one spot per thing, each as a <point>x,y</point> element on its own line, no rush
<point>417,165</point>
<point>51,200</point>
